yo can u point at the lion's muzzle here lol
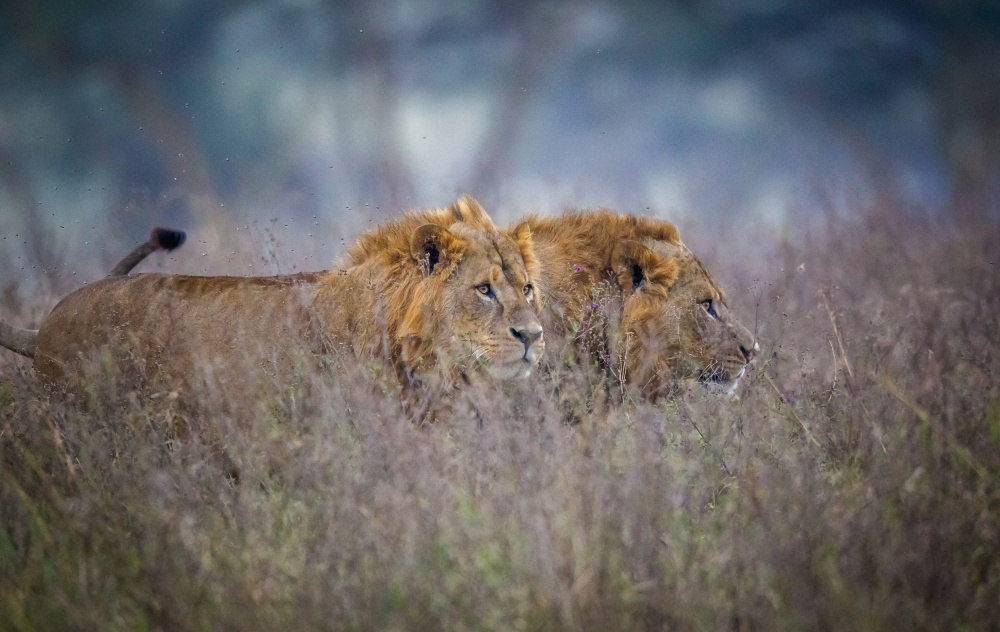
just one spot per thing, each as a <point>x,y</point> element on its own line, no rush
<point>529,335</point>
<point>750,352</point>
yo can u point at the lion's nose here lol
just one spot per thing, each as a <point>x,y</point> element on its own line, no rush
<point>750,353</point>
<point>527,334</point>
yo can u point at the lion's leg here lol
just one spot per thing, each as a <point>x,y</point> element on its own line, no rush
<point>18,340</point>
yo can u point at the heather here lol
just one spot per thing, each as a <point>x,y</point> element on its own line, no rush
<point>851,485</point>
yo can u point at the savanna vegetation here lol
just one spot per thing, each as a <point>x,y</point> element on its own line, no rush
<point>853,484</point>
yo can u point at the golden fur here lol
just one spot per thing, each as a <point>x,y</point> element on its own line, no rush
<point>660,317</point>
<point>435,293</point>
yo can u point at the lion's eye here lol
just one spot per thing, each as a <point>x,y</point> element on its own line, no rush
<point>710,308</point>
<point>528,289</point>
<point>485,289</point>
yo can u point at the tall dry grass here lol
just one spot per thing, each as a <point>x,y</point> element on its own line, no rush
<point>854,484</point>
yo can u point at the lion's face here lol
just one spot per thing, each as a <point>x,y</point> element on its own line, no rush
<point>493,308</point>
<point>676,322</point>
<point>482,308</point>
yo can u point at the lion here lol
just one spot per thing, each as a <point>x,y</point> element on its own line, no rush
<point>661,319</point>
<point>436,295</point>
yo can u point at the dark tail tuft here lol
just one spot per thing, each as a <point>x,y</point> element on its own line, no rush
<point>168,238</point>
<point>159,239</point>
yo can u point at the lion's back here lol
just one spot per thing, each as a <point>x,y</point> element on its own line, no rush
<point>181,326</point>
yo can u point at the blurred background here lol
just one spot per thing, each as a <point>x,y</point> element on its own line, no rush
<point>320,117</point>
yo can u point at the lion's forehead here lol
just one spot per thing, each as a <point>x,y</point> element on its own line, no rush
<point>697,276</point>
<point>498,272</point>
<point>511,261</point>
<point>498,258</point>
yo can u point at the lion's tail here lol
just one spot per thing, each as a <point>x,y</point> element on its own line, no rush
<point>23,340</point>
<point>18,340</point>
<point>159,239</point>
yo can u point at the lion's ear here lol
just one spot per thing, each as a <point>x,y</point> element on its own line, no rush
<point>522,237</point>
<point>435,247</point>
<point>468,210</point>
<point>652,228</point>
<point>639,268</point>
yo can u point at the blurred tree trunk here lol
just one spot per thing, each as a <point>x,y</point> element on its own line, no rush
<point>175,145</point>
<point>385,169</point>
<point>170,137</point>
<point>966,95</point>
<point>534,27</point>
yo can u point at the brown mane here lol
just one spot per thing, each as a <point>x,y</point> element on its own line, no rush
<point>640,291</point>
<point>580,250</point>
<point>412,312</point>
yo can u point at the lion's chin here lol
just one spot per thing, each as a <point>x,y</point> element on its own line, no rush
<point>518,370</point>
<point>722,384</point>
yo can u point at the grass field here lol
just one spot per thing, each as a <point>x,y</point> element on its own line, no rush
<point>853,485</point>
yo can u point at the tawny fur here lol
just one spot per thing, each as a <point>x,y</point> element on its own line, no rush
<point>388,303</point>
<point>655,330</point>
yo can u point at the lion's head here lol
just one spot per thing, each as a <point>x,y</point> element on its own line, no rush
<point>675,320</point>
<point>464,299</point>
